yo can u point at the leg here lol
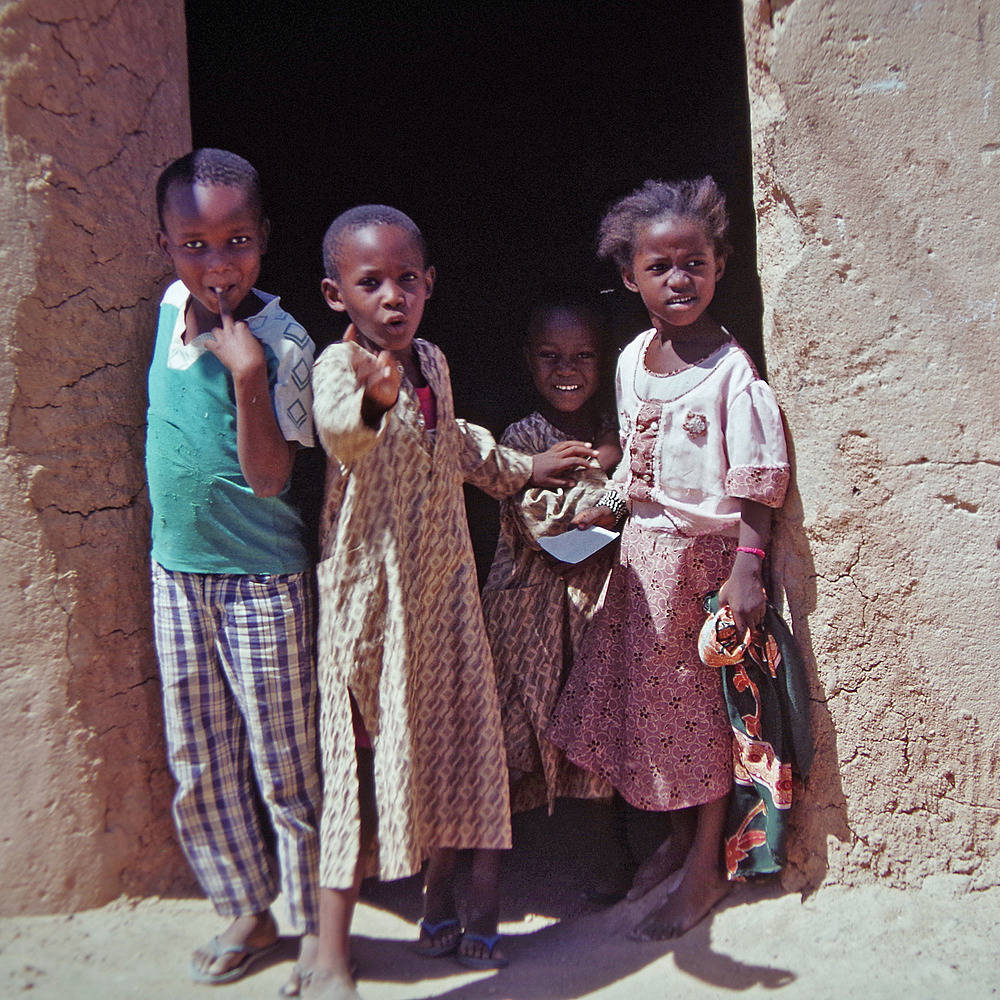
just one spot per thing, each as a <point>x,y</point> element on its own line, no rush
<point>478,947</point>
<point>702,885</point>
<point>617,862</point>
<point>330,977</point>
<point>206,747</point>
<point>696,729</point>
<point>267,649</point>
<point>440,929</point>
<point>669,856</point>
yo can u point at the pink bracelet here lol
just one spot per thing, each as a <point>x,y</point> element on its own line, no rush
<point>760,553</point>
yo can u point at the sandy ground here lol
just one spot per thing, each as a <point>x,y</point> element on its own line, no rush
<point>868,943</point>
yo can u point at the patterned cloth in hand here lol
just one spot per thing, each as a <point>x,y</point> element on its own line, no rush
<point>767,699</point>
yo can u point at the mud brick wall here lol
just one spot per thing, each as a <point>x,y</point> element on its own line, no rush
<point>877,172</point>
<point>93,103</point>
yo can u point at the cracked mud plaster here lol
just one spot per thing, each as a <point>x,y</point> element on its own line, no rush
<point>94,105</point>
<point>875,208</point>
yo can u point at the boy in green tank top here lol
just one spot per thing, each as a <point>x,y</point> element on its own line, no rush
<point>229,403</point>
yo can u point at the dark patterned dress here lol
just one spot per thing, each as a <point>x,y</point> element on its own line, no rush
<point>536,617</point>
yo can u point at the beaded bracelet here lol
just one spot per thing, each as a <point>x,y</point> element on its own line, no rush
<point>614,502</point>
<point>760,553</point>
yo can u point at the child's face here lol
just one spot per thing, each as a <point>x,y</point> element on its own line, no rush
<point>383,284</point>
<point>674,269</point>
<point>564,361</point>
<point>214,236</point>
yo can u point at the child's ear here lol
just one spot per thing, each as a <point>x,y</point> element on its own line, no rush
<point>720,267</point>
<point>265,234</point>
<point>429,275</point>
<point>164,244</point>
<point>331,292</point>
<point>628,279</point>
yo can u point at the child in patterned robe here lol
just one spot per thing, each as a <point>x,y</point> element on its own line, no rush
<point>410,734</point>
<point>535,608</point>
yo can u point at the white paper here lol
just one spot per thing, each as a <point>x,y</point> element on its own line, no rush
<point>574,546</point>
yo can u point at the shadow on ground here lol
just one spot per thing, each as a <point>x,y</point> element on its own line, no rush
<point>560,946</point>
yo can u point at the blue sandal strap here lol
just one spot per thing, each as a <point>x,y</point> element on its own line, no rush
<point>432,930</point>
<point>489,940</point>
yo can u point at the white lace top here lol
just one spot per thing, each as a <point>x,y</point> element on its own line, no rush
<point>698,441</point>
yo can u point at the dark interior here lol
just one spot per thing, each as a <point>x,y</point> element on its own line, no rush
<point>503,130</point>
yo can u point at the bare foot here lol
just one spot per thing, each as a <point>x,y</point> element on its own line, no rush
<point>254,933</point>
<point>300,970</point>
<point>667,859</point>
<point>685,908</point>
<point>323,985</point>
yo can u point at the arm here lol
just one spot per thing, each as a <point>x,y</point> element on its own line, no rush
<point>353,390</point>
<point>744,590</point>
<point>609,457</point>
<point>609,450</point>
<point>265,456</point>
<point>601,515</point>
<point>497,470</point>
<point>501,471</point>
<point>380,377</point>
<point>538,512</point>
<point>758,476</point>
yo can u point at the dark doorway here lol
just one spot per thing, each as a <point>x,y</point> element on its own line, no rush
<point>503,130</point>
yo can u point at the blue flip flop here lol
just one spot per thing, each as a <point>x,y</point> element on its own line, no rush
<point>248,955</point>
<point>470,962</point>
<point>432,931</point>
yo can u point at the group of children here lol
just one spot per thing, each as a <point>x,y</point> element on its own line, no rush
<point>425,712</point>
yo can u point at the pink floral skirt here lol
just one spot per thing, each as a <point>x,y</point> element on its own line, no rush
<point>639,708</point>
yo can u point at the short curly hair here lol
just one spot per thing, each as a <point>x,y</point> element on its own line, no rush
<point>359,218</point>
<point>701,200</point>
<point>209,166</point>
<point>543,312</point>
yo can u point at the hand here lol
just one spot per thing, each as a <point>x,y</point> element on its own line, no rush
<point>603,517</point>
<point>234,345</point>
<point>379,374</point>
<point>744,593</point>
<point>549,468</point>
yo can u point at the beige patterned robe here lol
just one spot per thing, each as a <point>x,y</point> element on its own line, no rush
<point>401,624</point>
<point>535,618</point>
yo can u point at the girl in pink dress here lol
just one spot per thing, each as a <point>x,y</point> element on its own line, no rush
<point>705,462</point>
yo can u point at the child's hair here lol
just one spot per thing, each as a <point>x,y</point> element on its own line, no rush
<point>359,218</point>
<point>209,166</point>
<point>701,200</point>
<point>543,311</point>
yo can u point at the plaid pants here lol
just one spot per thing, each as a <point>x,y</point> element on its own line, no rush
<point>239,700</point>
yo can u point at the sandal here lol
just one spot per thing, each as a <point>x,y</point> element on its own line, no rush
<point>248,955</point>
<point>304,976</point>
<point>472,962</point>
<point>448,947</point>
